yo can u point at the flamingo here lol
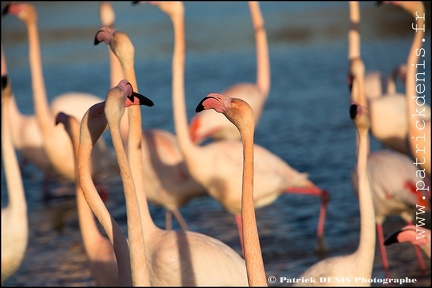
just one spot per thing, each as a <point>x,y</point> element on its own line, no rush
<point>392,175</point>
<point>359,264</point>
<point>165,176</point>
<point>73,103</point>
<point>416,235</point>
<point>212,124</point>
<point>209,165</point>
<point>419,124</point>
<point>387,110</point>
<point>175,257</point>
<point>94,122</point>
<point>241,115</point>
<point>14,222</point>
<point>100,254</point>
<point>179,257</point>
<point>27,137</point>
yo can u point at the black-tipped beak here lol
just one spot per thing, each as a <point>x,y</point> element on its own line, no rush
<point>96,40</point>
<point>4,81</point>
<point>5,9</point>
<point>353,111</point>
<point>142,99</point>
<point>60,118</point>
<point>392,239</point>
<point>200,106</point>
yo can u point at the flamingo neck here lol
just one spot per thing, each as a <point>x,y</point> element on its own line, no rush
<point>111,227</point>
<point>134,153</point>
<point>139,267</point>
<point>16,196</point>
<point>263,61</point>
<point>366,248</point>
<point>178,93</point>
<point>252,248</point>
<point>116,75</point>
<point>42,111</point>
<point>354,31</point>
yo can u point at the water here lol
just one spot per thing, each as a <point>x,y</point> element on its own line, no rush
<point>305,121</point>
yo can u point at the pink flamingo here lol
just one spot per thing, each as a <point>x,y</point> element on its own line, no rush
<point>358,264</point>
<point>73,103</point>
<point>212,124</point>
<point>416,235</point>
<point>131,259</point>
<point>209,165</point>
<point>165,176</point>
<point>174,257</point>
<point>241,115</point>
<point>27,137</point>
<point>14,222</point>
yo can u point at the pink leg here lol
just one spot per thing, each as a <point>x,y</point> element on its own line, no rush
<point>321,246</point>
<point>168,219</point>
<point>180,219</point>
<point>382,247</point>
<point>315,191</point>
<point>419,255</point>
<point>420,258</point>
<point>240,229</point>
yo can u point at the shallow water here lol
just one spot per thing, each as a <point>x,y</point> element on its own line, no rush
<point>305,121</point>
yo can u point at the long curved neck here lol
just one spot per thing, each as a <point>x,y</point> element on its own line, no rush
<point>15,116</point>
<point>366,247</point>
<point>354,31</point>
<point>89,230</point>
<point>140,274</point>
<point>263,61</point>
<point>116,75</point>
<point>135,148</point>
<point>42,111</point>
<point>178,91</point>
<point>15,188</point>
<point>112,229</point>
<point>252,248</point>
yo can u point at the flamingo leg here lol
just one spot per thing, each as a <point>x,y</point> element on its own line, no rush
<point>168,219</point>
<point>383,250</point>
<point>419,255</point>
<point>240,229</point>
<point>180,219</point>
<point>321,246</point>
<point>420,258</point>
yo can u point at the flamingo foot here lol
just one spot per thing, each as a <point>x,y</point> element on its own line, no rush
<point>321,247</point>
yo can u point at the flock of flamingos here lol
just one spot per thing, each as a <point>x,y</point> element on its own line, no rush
<point>166,169</point>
